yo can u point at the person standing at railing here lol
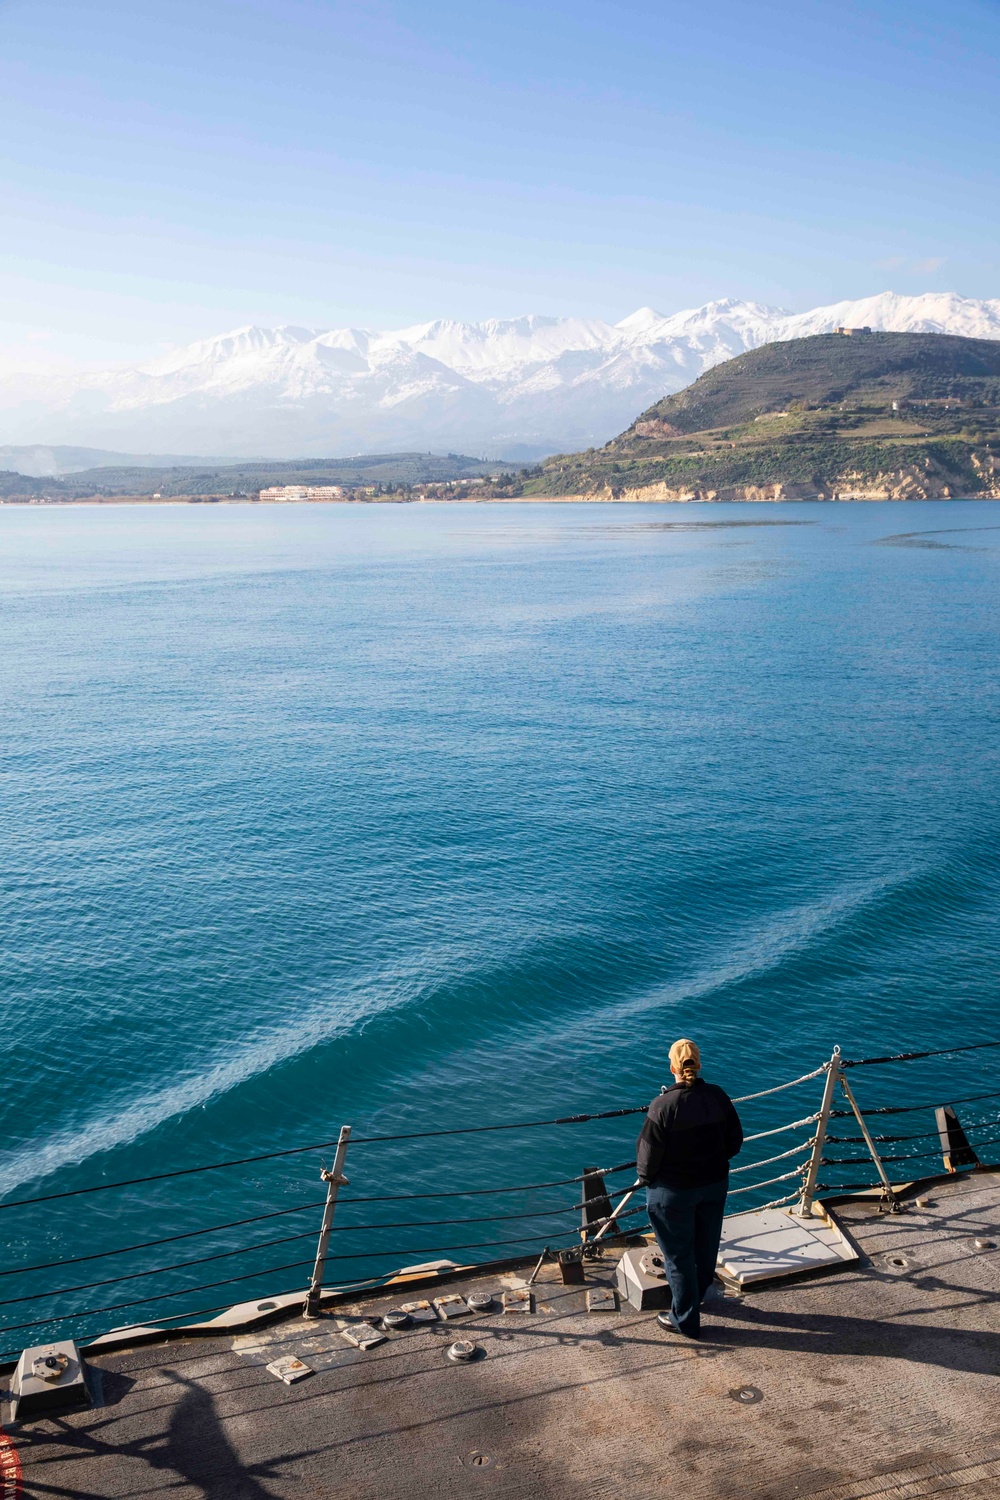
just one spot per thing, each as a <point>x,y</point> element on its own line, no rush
<point>682,1158</point>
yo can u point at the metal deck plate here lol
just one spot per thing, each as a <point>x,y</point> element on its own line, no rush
<point>774,1244</point>
<point>317,1344</point>
<point>451,1306</point>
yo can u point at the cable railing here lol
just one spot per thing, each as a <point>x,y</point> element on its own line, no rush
<point>956,1143</point>
<point>59,1305</point>
<point>555,1220</point>
<point>360,1140</point>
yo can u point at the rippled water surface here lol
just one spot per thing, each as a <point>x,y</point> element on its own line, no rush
<point>415,817</point>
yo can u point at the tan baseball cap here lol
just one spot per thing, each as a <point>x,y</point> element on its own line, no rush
<point>684,1051</point>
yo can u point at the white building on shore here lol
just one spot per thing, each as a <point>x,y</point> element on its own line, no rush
<point>302,492</point>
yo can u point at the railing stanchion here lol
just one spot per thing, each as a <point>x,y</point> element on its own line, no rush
<point>833,1072</point>
<point>890,1197</point>
<point>334,1180</point>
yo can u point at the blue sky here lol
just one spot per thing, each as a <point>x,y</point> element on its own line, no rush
<point>169,171</point>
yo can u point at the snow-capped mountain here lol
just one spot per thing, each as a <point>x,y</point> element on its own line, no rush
<point>502,387</point>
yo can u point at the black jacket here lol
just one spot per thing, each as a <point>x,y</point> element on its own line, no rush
<point>689,1135</point>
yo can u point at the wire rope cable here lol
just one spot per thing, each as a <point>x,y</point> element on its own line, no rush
<point>481,1192</point>
<point>359,1140</point>
<point>925,1135</point>
<point>858,1161</point>
<point>168,1239</point>
<point>833,1161</point>
<point>871,1062</point>
<point>371,1140</point>
<point>531,1187</point>
<point>536,1213</point>
<point>782,1156</point>
<point>779,1129</point>
<point>745,1098</point>
<point>250,1275</point>
<point>762,1207</point>
<point>850,1187</point>
<point>908,1109</point>
<point>753,1186</point>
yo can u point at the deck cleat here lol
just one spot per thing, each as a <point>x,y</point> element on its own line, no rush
<point>463,1351</point>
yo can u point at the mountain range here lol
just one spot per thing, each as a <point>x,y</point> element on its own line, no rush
<point>513,388</point>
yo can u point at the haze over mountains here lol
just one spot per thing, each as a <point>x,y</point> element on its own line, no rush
<point>514,388</point>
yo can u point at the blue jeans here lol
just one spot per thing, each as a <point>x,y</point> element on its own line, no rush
<point>687,1223</point>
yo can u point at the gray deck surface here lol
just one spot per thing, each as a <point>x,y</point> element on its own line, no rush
<point>875,1382</point>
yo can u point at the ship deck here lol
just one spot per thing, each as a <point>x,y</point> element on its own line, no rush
<point>878,1381</point>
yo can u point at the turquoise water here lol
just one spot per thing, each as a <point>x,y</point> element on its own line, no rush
<point>415,817</point>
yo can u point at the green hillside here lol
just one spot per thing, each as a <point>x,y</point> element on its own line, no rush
<point>880,415</point>
<point>389,472</point>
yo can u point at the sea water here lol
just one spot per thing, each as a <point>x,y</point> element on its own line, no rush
<point>429,816</point>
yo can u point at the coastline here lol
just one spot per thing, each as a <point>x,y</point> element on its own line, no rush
<point>634,498</point>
